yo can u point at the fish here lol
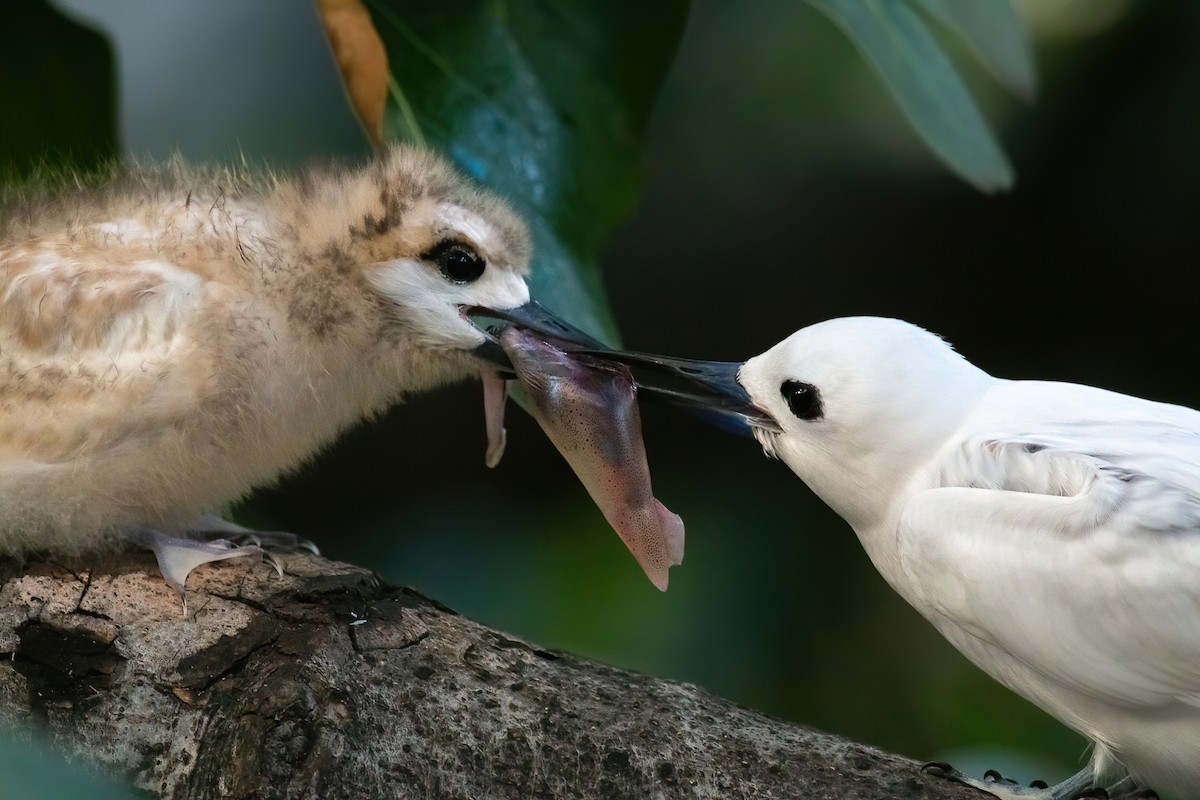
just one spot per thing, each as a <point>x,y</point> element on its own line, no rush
<point>588,409</point>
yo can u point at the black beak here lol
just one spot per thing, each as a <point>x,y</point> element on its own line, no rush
<point>708,388</point>
<point>537,318</point>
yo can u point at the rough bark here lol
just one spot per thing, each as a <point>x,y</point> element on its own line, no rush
<point>326,683</point>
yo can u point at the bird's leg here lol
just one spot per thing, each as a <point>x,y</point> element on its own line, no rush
<point>1073,788</point>
<point>208,527</point>
<point>177,556</point>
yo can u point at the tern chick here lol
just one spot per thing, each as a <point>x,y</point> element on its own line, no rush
<point>173,337</point>
<point>1050,531</point>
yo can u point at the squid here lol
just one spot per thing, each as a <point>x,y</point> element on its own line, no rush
<point>588,408</point>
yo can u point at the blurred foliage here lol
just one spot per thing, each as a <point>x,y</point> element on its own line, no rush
<point>993,31</point>
<point>548,103</point>
<point>57,102</point>
<point>361,59</point>
<point>896,41</point>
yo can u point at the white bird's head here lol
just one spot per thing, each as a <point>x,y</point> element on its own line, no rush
<point>857,388</point>
<point>862,403</point>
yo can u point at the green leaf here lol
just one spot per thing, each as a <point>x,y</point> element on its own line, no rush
<point>57,97</point>
<point>545,102</point>
<point>992,30</point>
<point>895,40</point>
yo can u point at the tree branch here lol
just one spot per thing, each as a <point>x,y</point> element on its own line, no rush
<point>329,684</point>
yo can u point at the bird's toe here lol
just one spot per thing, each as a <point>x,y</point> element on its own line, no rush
<point>995,777</point>
<point>278,541</point>
<point>1004,788</point>
<point>178,556</point>
<point>213,526</point>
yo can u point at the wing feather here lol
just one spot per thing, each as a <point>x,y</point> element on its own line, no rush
<point>84,341</point>
<point>1083,568</point>
<point>62,308</point>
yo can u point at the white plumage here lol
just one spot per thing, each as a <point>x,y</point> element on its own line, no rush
<point>1050,531</point>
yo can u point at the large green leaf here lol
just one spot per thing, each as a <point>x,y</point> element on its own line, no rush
<point>896,41</point>
<point>993,30</point>
<point>547,103</point>
<point>57,96</point>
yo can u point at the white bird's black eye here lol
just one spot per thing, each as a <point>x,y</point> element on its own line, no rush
<point>458,261</point>
<point>802,399</point>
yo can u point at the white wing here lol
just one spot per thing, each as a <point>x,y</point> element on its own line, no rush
<point>1073,561</point>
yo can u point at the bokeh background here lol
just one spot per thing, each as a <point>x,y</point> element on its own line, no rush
<point>782,187</point>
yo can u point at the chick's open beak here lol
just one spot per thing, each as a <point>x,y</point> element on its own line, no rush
<point>532,316</point>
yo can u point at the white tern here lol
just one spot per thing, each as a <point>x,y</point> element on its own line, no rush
<point>1050,531</point>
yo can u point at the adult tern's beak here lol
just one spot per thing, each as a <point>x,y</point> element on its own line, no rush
<point>708,387</point>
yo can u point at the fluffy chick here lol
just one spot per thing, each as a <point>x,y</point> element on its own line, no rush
<point>172,337</point>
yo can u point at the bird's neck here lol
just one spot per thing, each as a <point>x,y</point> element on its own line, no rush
<point>860,487</point>
<point>868,479</point>
<point>316,344</point>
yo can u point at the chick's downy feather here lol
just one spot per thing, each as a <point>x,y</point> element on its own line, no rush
<point>172,337</point>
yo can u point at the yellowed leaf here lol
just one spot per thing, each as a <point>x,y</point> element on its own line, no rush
<point>361,58</point>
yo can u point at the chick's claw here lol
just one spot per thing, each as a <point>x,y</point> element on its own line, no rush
<point>178,556</point>
<point>213,526</point>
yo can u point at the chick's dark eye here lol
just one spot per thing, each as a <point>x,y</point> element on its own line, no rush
<point>457,261</point>
<point>802,399</point>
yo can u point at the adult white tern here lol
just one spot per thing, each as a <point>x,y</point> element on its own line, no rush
<point>1050,531</point>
